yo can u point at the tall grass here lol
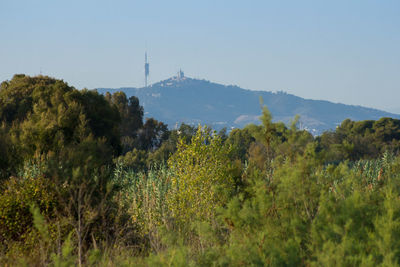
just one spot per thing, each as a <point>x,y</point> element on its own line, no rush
<point>144,195</point>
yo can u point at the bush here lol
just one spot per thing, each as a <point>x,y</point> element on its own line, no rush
<point>201,180</point>
<point>16,222</point>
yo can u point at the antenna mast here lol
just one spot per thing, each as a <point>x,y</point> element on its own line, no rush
<point>146,69</point>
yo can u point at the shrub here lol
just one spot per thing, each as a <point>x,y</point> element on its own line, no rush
<point>201,180</point>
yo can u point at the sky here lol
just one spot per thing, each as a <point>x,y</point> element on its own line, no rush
<point>345,51</point>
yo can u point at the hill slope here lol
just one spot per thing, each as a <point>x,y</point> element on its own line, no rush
<point>193,101</point>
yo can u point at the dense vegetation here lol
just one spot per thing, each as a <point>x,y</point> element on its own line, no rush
<point>85,180</point>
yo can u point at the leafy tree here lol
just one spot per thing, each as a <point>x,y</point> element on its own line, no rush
<point>240,141</point>
<point>200,181</point>
<point>77,133</point>
<point>361,140</point>
<point>151,136</point>
<point>169,146</point>
<point>135,159</point>
<point>44,115</point>
<point>131,114</point>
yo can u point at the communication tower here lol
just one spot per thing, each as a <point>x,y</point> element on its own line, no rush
<point>181,75</point>
<point>146,69</point>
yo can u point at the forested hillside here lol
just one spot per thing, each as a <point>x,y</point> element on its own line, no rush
<point>86,181</point>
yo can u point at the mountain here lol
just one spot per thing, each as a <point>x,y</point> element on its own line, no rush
<point>192,101</point>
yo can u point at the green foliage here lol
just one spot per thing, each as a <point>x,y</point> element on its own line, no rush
<point>276,141</point>
<point>151,136</point>
<point>200,181</point>
<point>131,114</point>
<point>20,240</point>
<point>176,256</point>
<point>361,140</point>
<point>42,115</point>
<point>39,222</point>
<point>240,141</point>
<point>66,258</point>
<point>10,157</point>
<point>18,193</point>
<point>169,146</point>
<point>269,225</point>
<point>85,182</point>
<point>143,196</point>
<point>348,229</point>
<point>136,159</point>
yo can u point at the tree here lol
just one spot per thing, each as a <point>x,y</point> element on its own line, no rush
<point>200,181</point>
<point>76,133</point>
<point>356,140</point>
<point>130,111</point>
<point>240,140</point>
<point>168,147</point>
<point>43,115</point>
<point>151,136</point>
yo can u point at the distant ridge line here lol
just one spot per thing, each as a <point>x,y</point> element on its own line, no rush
<point>196,101</point>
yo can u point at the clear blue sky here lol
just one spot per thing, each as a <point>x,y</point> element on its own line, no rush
<point>343,50</point>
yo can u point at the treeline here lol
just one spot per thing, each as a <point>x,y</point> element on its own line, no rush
<point>85,180</point>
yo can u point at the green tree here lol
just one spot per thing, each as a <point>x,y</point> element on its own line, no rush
<point>169,146</point>
<point>200,181</point>
<point>152,134</point>
<point>131,114</point>
<point>44,115</point>
<point>240,141</point>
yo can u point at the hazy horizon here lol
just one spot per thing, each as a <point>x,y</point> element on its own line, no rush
<point>338,51</point>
